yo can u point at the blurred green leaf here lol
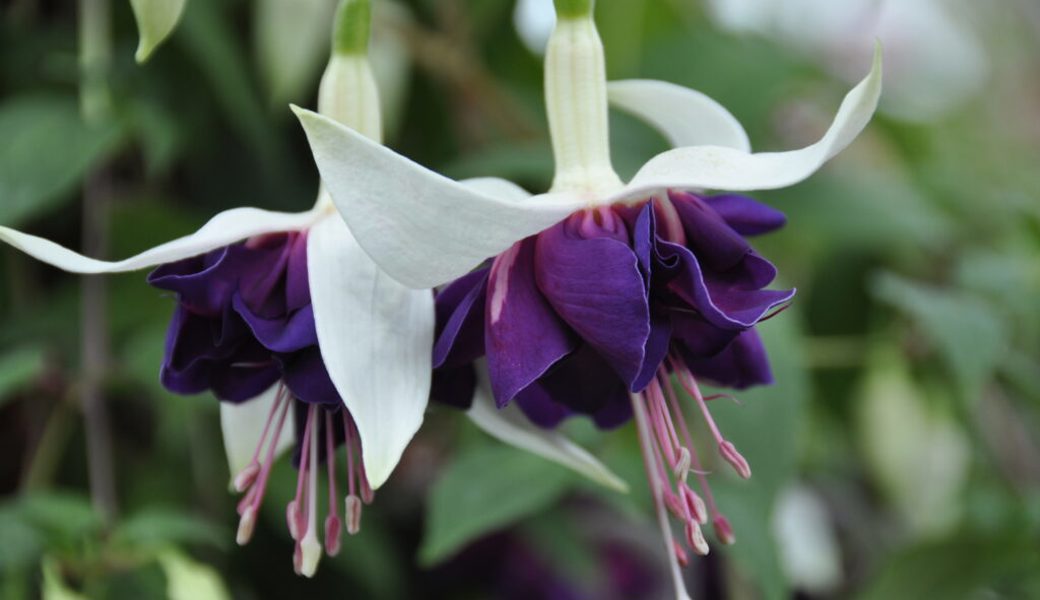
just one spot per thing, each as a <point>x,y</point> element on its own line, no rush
<point>22,543</point>
<point>210,41</point>
<point>66,516</point>
<point>965,330</point>
<point>188,579</point>
<point>964,566</point>
<point>46,150</point>
<point>158,527</point>
<point>485,489</point>
<point>17,368</point>
<point>767,429</point>
<point>54,587</point>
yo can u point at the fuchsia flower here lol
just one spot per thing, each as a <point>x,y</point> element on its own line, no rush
<point>598,292</point>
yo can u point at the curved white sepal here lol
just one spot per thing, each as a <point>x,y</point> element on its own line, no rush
<point>717,168</point>
<point>375,337</point>
<point>685,117</point>
<point>512,427</point>
<point>225,228</point>
<point>497,187</point>
<point>422,228</point>
<point>155,21</point>
<point>243,424</point>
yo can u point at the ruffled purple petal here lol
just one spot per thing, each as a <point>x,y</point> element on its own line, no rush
<point>540,408</point>
<point>596,287</point>
<point>460,320</point>
<point>204,284</point>
<point>708,236</point>
<point>585,383</point>
<point>745,215</point>
<point>305,375</point>
<point>742,364</point>
<point>287,334</point>
<point>523,335</point>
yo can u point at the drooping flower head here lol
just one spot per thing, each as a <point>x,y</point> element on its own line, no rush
<point>296,330</point>
<point>594,295</point>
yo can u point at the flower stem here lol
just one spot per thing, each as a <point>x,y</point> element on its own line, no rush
<point>95,60</point>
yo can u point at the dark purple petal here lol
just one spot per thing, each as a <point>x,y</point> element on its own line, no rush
<point>585,383</point>
<point>742,364</point>
<point>745,215</point>
<point>540,407</point>
<point>726,300</point>
<point>288,334</point>
<point>204,284</point>
<point>454,386</point>
<point>596,287</point>
<point>305,375</point>
<point>523,337</point>
<point>708,236</point>
<point>699,337</point>
<point>460,320</point>
<point>656,349</point>
<point>297,286</point>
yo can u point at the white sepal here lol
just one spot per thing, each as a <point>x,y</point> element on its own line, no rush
<point>375,337</point>
<point>685,117</point>
<point>719,168</point>
<point>243,424</point>
<point>512,427</point>
<point>419,226</point>
<point>225,228</point>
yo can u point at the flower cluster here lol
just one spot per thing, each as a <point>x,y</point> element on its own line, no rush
<point>599,298</point>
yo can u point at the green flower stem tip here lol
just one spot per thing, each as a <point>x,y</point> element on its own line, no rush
<point>353,26</point>
<point>573,9</point>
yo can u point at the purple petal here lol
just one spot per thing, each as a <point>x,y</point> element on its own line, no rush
<point>523,336</point>
<point>306,377</point>
<point>745,215</point>
<point>708,236</point>
<point>202,283</point>
<point>728,300</point>
<point>540,408</point>
<point>596,286</point>
<point>460,320</point>
<point>287,334</point>
<point>585,383</point>
<point>454,386</point>
<point>742,364</point>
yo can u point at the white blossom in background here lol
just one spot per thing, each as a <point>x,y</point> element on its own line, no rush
<point>808,547</point>
<point>534,21</point>
<point>935,60</point>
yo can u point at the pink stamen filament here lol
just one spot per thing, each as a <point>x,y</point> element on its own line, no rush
<point>697,469</point>
<point>726,448</point>
<point>652,466</point>
<point>333,526</point>
<point>250,504</point>
<point>292,512</point>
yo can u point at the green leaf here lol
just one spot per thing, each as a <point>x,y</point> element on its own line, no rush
<point>188,579</point>
<point>767,428</point>
<point>46,151</point>
<point>22,543</point>
<point>156,19</point>
<point>66,516</point>
<point>485,489</point>
<point>965,330</point>
<point>17,368</point>
<point>157,527</point>
<point>209,40</point>
<point>54,587</point>
<point>964,566</point>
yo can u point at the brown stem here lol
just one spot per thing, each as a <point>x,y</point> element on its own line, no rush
<point>94,348</point>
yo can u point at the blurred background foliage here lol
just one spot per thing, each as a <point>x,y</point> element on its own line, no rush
<point>898,456</point>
